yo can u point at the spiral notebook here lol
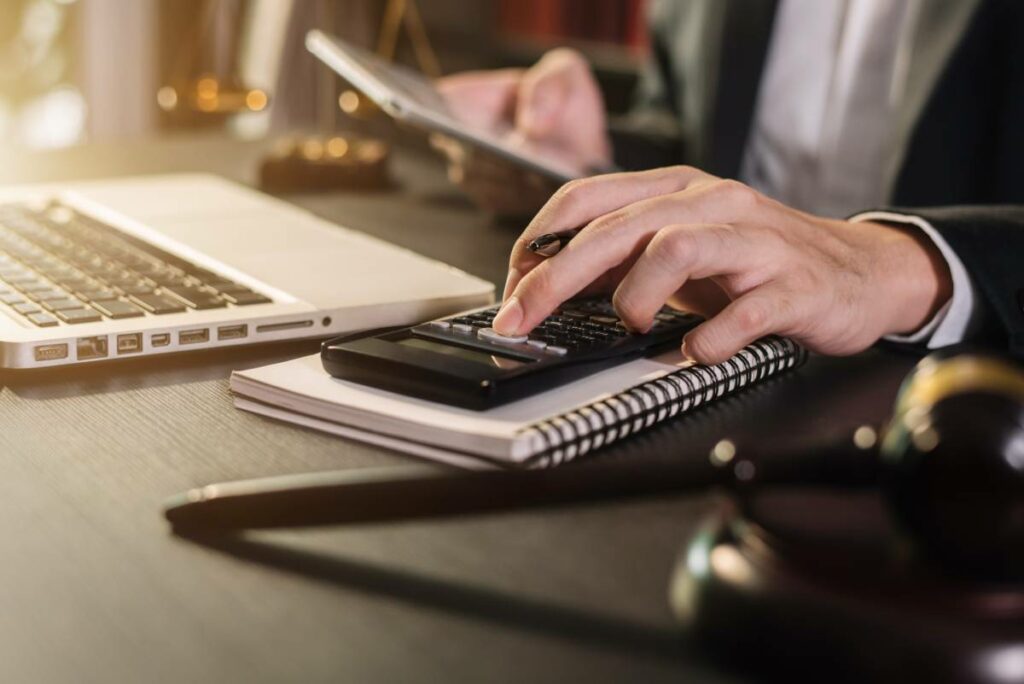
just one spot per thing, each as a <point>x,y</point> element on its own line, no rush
<point>544,430</point>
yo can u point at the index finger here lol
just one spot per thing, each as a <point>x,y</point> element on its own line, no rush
<point>578,202</point>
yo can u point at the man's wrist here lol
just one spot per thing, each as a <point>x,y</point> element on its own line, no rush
<point>954,322</point>
<point>916,276</point>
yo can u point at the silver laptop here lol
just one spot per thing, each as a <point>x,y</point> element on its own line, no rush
<point>117,269</point>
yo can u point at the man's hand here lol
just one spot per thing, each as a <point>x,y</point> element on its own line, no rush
<point>749,264</point>
<point>555,106</point>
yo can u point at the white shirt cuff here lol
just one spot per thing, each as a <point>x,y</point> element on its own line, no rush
<point>953,321</point>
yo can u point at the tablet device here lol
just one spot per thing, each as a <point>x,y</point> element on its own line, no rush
<point>410,97</point>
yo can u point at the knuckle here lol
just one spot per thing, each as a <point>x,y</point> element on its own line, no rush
<point>673,246</point>
<point>738,193</point>
<point>568,197</point>
<point>686,169</point>
<point>806,280</point>
<point>752,317</point>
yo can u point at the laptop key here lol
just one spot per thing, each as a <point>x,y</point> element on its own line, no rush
<point>62,304</point>
<point>194,298</point>
<point>78,316</point>
<point>11,298</point>
<point>20,278</point>
<point>95,294</point>
<point>135,289</point>
<point>43,320</point>
<point>157,304</point>
<point>246,298</point>
<point>26,308</point>
<point>224,286</point>
<point>116,308</point>
<point>40,295</point>
<point>33,286</point>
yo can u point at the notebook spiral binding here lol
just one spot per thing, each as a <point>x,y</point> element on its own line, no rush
<point>603,422</point>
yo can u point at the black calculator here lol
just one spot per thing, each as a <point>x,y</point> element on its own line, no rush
<point>462,361</point>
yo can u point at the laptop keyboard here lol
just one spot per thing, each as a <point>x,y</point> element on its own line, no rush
<point>58,266</point>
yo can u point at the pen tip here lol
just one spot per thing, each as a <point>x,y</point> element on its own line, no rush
<point>545,245</point>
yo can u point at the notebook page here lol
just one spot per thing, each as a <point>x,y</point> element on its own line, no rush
<point>303,386</point>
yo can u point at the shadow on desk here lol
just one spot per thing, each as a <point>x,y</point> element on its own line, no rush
<point>474,602</point>
<point>857,390</point>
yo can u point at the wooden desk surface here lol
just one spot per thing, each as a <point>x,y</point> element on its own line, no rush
<point>93,588</point>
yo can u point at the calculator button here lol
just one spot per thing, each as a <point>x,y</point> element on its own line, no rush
<point>463,328</point>
<point>558,351</point>
<point>440,325</point>
<point>494,336</point>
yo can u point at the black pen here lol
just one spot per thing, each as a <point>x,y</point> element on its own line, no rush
<point>550,244</point>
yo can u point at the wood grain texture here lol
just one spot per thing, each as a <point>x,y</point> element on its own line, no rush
<point>94,589</point>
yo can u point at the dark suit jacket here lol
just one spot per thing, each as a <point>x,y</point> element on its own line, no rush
<point>957,139</point>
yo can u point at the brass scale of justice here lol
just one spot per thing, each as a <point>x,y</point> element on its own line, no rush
<point>301,162</point>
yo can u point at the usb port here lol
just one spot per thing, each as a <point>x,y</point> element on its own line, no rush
<point>160,339</point>
<point>232,332</point>
<point>51,352</point>
<point>92,348</point>
<point>194,336</point>
<point>129,344</point>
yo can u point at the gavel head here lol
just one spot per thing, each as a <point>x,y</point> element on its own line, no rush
<point>953,458</point>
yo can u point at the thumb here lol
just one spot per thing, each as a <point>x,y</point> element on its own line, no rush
<point>481,98</point>
<point>543,92</point>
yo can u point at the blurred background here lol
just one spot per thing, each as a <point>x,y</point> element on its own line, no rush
<point>76,71</point>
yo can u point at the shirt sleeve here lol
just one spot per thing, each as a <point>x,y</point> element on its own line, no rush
<point>952,323</point>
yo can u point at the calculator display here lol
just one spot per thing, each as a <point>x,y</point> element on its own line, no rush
<point>495,360</point>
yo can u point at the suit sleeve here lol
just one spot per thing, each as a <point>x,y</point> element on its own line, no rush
<point>989,242</point>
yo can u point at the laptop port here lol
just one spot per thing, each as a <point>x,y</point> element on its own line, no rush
<point>160,339</point>
<point>92,348</point>
<point>51,352</point>
<point>232,332</point>
<point>194,336</point>
<point>129,344</point>
<point>290,325</point>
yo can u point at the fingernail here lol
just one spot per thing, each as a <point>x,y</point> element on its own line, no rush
<point>686,354</point>
<point>509,317</point>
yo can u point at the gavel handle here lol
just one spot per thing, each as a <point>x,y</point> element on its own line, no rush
<point>373,495</point>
